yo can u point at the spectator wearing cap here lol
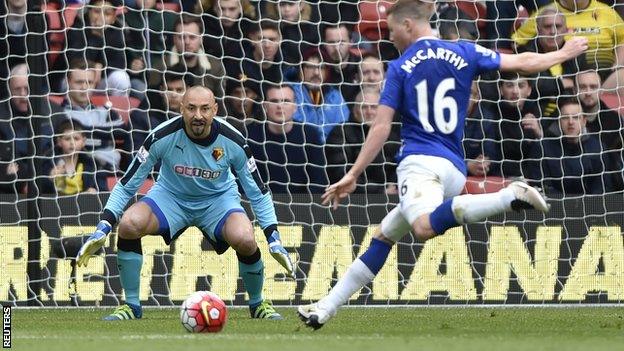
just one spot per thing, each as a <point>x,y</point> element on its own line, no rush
<point>241,102</point>
<point>289,154</point>
<point>160,106</point>
<point>298,32</point>
<point>17,164</point>
<point>345,142</point>
<point>201,68</point>
<point>263,61</point>
<point>98,37</point>
<point>319,103</point>
<point>342,63</point>
<point>573,163</point>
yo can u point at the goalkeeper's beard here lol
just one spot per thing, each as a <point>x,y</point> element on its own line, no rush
<point>198,128</point>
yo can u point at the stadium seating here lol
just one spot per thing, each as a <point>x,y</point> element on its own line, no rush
<point>58,19</point>
<point>373,24</point>
<point>614,102</point>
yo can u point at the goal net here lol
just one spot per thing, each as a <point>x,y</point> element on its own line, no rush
<point>82,83</point>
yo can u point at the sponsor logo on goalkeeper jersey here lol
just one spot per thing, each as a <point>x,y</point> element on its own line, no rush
<point>431,54</point>
<point>196,172</point>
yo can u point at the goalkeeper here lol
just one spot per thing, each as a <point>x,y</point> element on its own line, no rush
<point>195,188</point>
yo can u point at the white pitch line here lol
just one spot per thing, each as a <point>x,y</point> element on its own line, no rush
<point>452,306</point>
<point>197,336</point>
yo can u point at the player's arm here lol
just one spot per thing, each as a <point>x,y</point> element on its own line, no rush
<point>262,204</point>
<point>530,62</point>
<point>390,101</point>
<point>375,140</point>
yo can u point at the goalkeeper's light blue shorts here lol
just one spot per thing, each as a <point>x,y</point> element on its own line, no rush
<point>175,215</point>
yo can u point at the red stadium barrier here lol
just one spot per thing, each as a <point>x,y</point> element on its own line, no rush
<point>479,185</point>
<point>147,185</point>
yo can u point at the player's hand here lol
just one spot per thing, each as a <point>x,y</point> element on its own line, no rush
<point>280,254</point>
<point>12,168</point>
<point>479,167</point>
<point>338,191</point>
<point>94,243</point>
<point>530,122</point>
<point>575,46</point>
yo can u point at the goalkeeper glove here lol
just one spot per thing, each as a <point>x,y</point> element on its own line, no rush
<point>94,243</point>
<point>278,251</point>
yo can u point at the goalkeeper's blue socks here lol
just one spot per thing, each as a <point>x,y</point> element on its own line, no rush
<point>129,262</point>
<point>251,269</point>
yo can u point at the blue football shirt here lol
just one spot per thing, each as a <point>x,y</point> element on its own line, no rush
<point>429,85</point>
<point>196,170</point>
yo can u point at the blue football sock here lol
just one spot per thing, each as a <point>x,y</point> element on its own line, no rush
<point>443,218</point>
<point>129,264</point>
<point>376,255</point>
<point>253,276</point>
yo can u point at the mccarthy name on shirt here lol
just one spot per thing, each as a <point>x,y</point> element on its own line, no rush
<point>437,54</point>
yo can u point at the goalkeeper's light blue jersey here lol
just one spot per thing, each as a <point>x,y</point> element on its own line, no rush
<point>430,86</point>
<point>196,170</point>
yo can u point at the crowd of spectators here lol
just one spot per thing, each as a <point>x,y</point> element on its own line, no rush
<point>301,82</point>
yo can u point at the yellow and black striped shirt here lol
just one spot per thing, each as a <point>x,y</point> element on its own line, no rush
<point>602,26</point>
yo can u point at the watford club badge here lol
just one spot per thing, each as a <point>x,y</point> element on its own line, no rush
<point>217,153</point>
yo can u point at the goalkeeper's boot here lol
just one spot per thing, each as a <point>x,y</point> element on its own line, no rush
<point>527,197</point>
<point>265,310</point>
<point>313,316</point>
<point>94,243</point>
<point>125,312</point>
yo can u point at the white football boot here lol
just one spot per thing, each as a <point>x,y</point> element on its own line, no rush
<point>313,316</point>
<point>527,197</point>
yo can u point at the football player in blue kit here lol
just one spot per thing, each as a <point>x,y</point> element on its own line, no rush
<point>429,85</point>
<point>195,188</point>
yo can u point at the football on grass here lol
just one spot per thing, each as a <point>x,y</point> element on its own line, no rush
<point>203,312</point>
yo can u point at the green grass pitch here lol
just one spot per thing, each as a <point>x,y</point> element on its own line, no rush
<point>465,328</point>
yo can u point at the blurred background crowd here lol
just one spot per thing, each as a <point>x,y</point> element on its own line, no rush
<point>301,80</point>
